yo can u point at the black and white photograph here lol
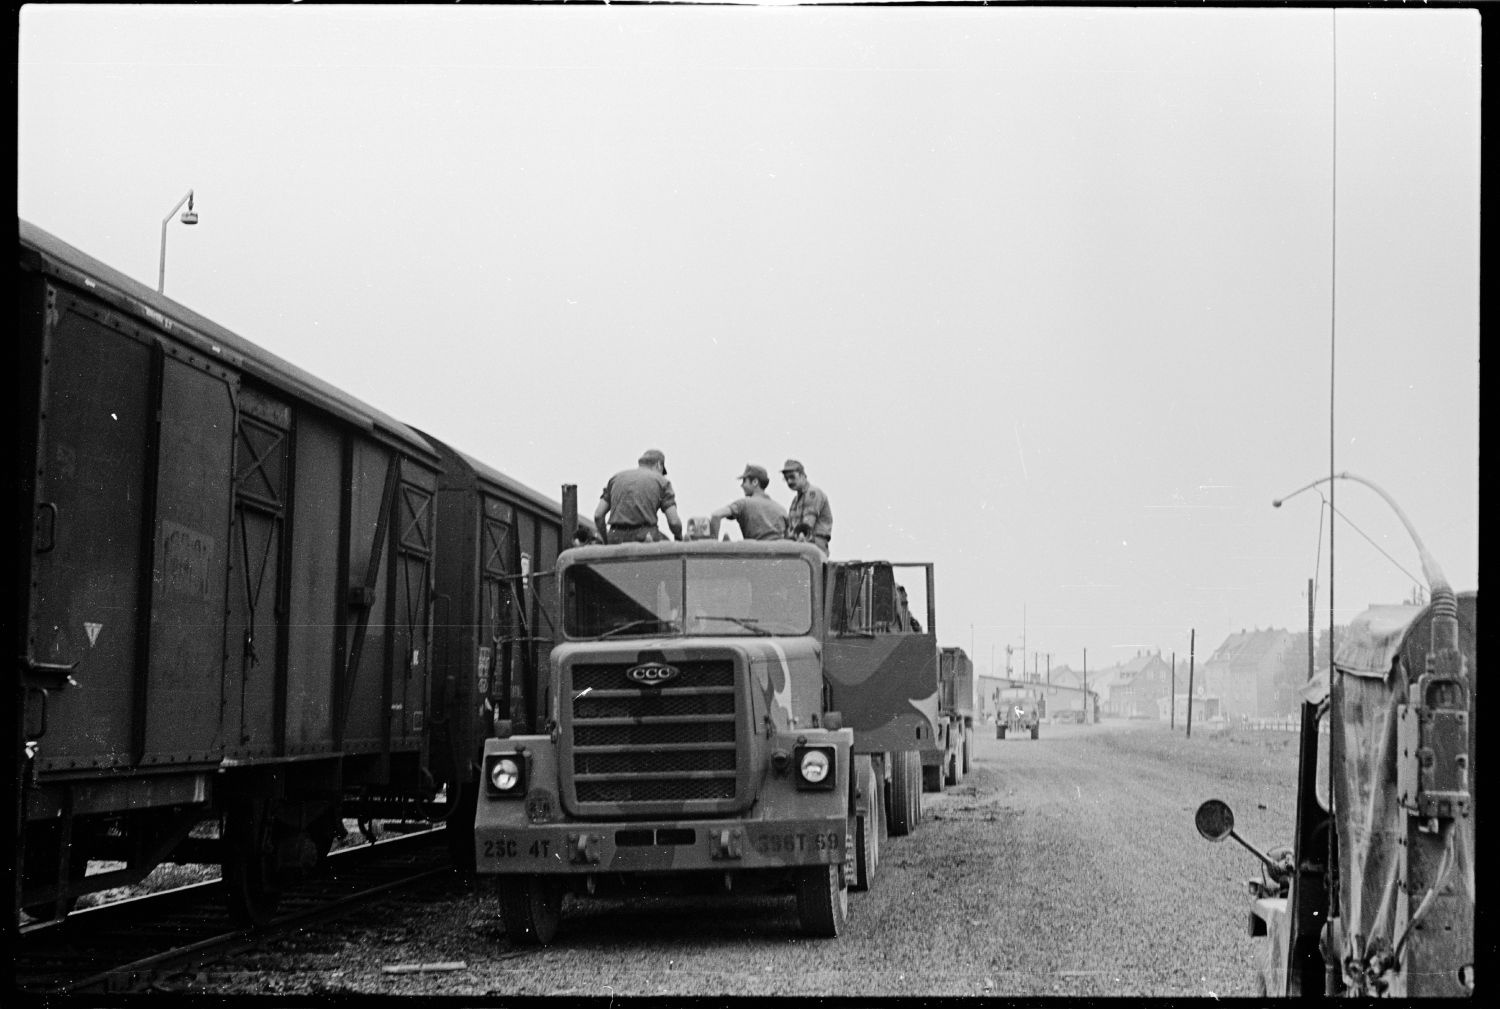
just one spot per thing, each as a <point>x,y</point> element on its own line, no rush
<point>743,500</point>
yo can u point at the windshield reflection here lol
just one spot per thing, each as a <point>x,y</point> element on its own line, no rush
<point>713,596</point>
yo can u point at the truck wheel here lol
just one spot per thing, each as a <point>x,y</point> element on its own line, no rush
<point>916,791</point>
<point>866,849</point>
<point>968,749</point>
<point>530,909</point>
<point>900,822</point>
<point>933,777</point>
<point>822,900</point>
<point>1036,728</point>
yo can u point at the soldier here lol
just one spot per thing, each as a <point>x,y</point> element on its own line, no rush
<point>810,518</point>
<point>758,516</point>
<point>632,498</point>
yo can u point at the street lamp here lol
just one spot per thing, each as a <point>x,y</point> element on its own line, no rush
<point>1444,603</point>
<point>188,217</point>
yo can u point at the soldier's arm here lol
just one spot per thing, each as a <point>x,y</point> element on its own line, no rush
<point>719,515</point>
<point>673,522</point>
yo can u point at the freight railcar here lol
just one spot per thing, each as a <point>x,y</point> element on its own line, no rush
<point>221,599</point>
<point>494,624</point>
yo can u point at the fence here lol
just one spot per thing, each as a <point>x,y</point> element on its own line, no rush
<point>1284,723</point>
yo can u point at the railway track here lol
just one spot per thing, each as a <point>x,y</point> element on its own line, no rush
<point>144,943</point>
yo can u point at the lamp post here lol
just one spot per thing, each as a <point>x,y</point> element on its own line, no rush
<point>1445,606</point>
<point>188,217</point>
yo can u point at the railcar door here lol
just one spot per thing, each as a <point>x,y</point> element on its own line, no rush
<point>408,686</point>
<point>184,697</point>
<point>94,432</point>
<point>498,613</point>
<point>254,647</point>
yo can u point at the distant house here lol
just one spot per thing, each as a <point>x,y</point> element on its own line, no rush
<point>1204,708</point>
<point>1242,671</point>
<point>1138,684</point>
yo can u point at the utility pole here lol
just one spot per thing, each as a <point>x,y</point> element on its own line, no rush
<point>1049,669</point>
<point>1172,707</point>
<point>1085,686</point>
<point>1192,641</point>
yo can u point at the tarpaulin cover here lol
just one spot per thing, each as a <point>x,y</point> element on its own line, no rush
<point>1386,650</point>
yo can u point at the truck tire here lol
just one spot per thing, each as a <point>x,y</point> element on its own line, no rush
<point>900,822</point>
<point>866,849</point>
<point>916,790</point>
<point>934,776</point>
<point>822,900</point>
<point>868,826</point>
<point>530,909</point>
<point>968,748</point>
<point>1036,729</point>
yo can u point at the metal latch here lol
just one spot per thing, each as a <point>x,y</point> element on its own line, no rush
<point>1432,742</point>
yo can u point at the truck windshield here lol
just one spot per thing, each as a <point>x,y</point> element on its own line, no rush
<point>717,596</point>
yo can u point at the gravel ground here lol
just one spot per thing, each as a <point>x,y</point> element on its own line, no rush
<point>1064,866</point>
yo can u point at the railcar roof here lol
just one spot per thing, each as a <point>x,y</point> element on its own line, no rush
<point>511,486</point>
<point>57,258</point>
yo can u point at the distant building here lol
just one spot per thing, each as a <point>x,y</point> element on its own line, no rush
<point>1204,708</point>
<point>1138,684</point>
<point>1242,671</point>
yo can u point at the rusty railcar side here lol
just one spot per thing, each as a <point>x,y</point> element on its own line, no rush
<point>222,608</point>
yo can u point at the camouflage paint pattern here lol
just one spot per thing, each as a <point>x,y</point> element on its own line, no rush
<point>886,688</point>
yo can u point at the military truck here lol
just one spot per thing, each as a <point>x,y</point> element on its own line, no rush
<point>737,717</point>
<point>1375,894</point>
<point>948,760</point>
<point>1020,709</point>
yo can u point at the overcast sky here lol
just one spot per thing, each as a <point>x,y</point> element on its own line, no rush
<point>1049,297</point>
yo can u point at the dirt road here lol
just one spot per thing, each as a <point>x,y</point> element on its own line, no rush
<point>1067,865</point>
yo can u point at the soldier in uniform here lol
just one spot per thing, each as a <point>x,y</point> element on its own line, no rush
<point>810,518</point>
<point>758,516</point>
<point>632,498</point>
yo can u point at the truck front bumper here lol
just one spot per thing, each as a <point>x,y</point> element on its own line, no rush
<point>658,846</point>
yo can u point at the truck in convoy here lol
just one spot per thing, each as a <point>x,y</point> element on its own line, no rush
<point>1020,710</point>
<point>735,717</point>
<point>948,760</point>
<point>1375,894</point>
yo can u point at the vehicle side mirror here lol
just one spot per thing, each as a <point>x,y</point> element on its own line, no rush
<point>1215,820</point>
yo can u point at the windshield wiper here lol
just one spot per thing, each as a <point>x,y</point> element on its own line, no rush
<point>633,624</point>
<point>748,623</point>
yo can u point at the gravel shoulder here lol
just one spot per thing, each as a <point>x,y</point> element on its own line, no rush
<point>1063,866</point>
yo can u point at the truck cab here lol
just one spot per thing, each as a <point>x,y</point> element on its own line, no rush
<point>689,738</point>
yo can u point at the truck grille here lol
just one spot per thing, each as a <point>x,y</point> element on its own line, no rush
<point>633,746</point>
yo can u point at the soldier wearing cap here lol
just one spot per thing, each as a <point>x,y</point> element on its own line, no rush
<point>810,518</point>
<point>632,498</point>
<point>758,516</point>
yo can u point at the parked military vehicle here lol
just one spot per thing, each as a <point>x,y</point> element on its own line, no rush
<point>735,716</point>
<point>948,760</point>
<point>1375,894</point>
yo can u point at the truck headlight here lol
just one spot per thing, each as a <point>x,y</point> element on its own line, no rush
<point>506,775</point>
<point>815,767</point>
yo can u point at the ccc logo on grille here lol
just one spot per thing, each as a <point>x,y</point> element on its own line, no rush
<point>652,674</point>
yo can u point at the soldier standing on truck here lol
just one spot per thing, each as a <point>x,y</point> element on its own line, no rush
<point>759,517</point>
<point>810,518</point>
<point>631,499</point>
